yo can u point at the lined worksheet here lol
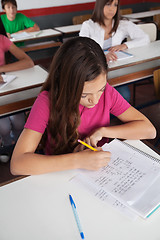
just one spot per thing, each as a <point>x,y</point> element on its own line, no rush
<point>128,176</point>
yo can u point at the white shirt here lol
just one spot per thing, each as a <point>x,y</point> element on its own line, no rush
<point>107,43</point>
<point>125,29</point>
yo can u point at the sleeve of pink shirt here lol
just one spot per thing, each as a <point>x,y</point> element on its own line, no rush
<point>6,43</point>
<point>118,104</point>
<point>39,115</point>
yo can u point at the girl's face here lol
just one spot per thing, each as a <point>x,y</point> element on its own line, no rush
<point>93,90</point>
<point>110,9</point>
<point>10,11</point>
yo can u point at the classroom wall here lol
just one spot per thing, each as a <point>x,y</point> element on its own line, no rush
<point>53,13</point>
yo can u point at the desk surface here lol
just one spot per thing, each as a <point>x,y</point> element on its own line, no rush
<point>25,79</point>
<point>69,29</point>
<point>142,54</point>
<point>143,14</point>
<point>145,60</point>
<point>25,86</point>
<point>37,35</point>
<point>37,207</point>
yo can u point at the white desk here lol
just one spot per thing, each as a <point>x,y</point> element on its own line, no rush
<point>69,29</point>
<point>145,60</point>
<point>22,91</point>
<point>37,35</point>
<point>38,208</point>
<point>42,34</point>
<point>143,14</point>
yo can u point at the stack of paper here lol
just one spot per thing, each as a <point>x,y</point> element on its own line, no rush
<point>130,182</point>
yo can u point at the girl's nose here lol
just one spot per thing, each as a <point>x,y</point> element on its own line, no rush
<point>94,99</point>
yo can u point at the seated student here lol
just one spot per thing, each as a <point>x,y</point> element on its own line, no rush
<point>16,22</point>
<point>75,103</point>
<point>108,29</point>
<point>13,124</point>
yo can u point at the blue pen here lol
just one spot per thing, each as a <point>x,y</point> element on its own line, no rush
<point>76,217</point>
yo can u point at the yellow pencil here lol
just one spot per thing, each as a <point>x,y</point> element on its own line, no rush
<point>85,144</point>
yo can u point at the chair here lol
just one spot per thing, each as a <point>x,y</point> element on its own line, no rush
<point>126,11</point>
<point>156,81</point>
<point>152,31</point>
<point>156,19</point>
<point>154,8</point>
<point>80,19</point>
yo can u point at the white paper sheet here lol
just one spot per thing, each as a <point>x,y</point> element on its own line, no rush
<point>6,80</point>
<point>127,177</point>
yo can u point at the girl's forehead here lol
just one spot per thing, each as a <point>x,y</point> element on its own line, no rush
<point>95,85</point>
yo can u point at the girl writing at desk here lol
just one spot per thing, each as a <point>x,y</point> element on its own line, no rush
<point>75,103</point>
<point>109,29</point>
<point>15,122</point>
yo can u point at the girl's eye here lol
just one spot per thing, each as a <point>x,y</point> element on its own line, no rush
<point>102,90</point>
<point>84,96</point>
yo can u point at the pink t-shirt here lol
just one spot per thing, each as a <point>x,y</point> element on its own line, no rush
<point>91,118</point>
<point>5,44</point>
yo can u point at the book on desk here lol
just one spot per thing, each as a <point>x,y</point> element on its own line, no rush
<point>24,35</point>
<point>121,55</point>
<point>130,182</point>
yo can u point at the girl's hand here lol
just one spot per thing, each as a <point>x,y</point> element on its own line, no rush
<point>94,137</point>
<point>79,148</point>
<point>118,48</point>
<point>8,35</point>
<point>111,56</point>
<point>92,160</point>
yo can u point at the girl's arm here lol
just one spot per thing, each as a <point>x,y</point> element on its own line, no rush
<point>137,36</point>
<point>26,162</point>
<point>135,126</point>
<point>24,60</point>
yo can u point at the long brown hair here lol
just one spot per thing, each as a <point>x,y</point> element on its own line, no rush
<point>78,60</point>
<point>98,15</point>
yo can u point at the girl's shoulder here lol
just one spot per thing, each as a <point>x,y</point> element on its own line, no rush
<point>4,40</point>
<point>44,94</point>
<point>91,23</point>
<point>125,22</point>
<point>43,98</point>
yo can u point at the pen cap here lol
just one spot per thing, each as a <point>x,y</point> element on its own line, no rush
<point>71,201</point>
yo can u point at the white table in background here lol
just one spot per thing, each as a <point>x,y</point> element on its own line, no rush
<point>140,15</point>
<point>38,207</point>
<point>55,36</point>
<point>22,91</point>
<point>70,29</point>
<point>45,33</point>
<point>145,60</point>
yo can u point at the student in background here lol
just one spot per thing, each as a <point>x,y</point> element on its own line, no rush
<point>16,22</point>
<point>109,29</point>
<point>75,103</point>
<point>12,125</point>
